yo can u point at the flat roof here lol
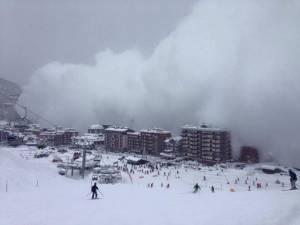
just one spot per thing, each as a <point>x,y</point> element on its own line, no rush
<point>202,128</point>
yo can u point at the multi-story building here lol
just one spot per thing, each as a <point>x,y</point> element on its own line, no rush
<point>88,141</point>
<point>96,129</point>
<point>116,139</point>
<point>153,140</point>
<point>50,138</point>
<point>58,137</point>
<point>134,142</point>
<point>34,129</point>
<point>249,154</point>
<point>68,134</point>
<point>174,145</point>
<point>206,144</point>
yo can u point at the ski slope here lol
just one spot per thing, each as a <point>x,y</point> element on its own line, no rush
<point>37,195</point>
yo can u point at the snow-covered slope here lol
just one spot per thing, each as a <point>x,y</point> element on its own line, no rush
<point>57,200</point>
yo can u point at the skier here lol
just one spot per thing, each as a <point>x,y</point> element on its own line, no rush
<point>94,191</point>
<point>293,179</point>
<point>196,187</point>
<point>212,189</point>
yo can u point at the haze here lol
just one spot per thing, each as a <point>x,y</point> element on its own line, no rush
<point>233,64</point>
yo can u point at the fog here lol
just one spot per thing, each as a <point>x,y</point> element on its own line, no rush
<point>232,64</point>
<point>35,32</point>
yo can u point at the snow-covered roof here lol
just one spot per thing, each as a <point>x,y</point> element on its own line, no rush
<point>69,130</point>
<point>202,128</point>
<point>96,126</point>
<point>268,167</point>
<point>156,131</point>
<point>48,133</point>
<point>89,136</point>
<point>134,133</point>
<point>133,158</point>
<point>167,155</point>
<point>117,129</point>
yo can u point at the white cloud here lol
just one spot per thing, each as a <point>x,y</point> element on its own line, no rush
<point>231,63</point>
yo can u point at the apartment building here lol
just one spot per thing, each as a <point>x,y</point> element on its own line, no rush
<point>58,137</point>
<point>205,144</point>
<point>153,140</point>
<point>96,129</point>
<point>116,139</point>
<point>134,141</point>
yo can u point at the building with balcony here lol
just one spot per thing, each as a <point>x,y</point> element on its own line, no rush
<point>153,140</point>
<point>116,139</point>
<point>205,144</point>
<point>134,142</point>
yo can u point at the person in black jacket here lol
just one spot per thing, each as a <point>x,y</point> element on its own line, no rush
<point>196,188</point>
<point>293,179</point>
<point>94,191</point>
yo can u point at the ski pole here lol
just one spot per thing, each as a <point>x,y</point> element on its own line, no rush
<point>101,193</point>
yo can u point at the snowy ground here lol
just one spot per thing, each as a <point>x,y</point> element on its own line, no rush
<point>37,195</point>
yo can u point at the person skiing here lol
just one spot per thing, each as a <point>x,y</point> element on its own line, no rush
<point>94,191</point>
<point>212,189</point>
<point>293,179</point>
<point>196,187</point>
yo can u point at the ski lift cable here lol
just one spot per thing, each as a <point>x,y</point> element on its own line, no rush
<point>29,110</point>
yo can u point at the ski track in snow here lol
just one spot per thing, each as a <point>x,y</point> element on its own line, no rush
<point>57,200</point>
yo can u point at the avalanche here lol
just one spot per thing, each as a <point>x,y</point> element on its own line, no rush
<point>37,195</point>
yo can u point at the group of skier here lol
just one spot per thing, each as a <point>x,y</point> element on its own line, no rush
<point>196,188</point>
<point>292,174</point>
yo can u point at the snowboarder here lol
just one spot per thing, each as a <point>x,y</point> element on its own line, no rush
<point>293,179</point>
<point>94,191</point>
<point>196,187</point>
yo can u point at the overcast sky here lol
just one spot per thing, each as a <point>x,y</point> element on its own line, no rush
<point>35,32</point>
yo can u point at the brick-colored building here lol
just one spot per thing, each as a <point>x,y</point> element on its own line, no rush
<point>134,141</point>
<point>58,137</point>
<point>67,135</point>
<point>153,140</point>
<point>249,154</point>
<point>50,138</point>
<point>116,139</point>
<point>206,144</point>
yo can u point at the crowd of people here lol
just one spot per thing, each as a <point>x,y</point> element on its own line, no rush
<point>165,171</point>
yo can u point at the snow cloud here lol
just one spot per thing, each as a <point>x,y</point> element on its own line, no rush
<point>233,64</point>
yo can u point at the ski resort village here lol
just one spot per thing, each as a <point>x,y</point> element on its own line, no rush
<point>115,175</point>
<point>140,112</point>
